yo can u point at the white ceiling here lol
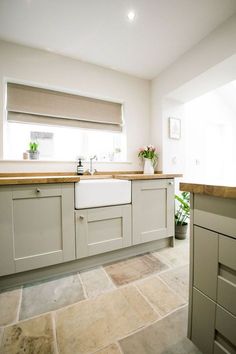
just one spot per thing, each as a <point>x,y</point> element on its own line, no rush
<point>98,31</point>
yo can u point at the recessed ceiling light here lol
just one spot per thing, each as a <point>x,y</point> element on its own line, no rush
<point>131,16</point>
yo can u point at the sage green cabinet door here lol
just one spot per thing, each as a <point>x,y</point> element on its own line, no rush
<point>100,230</point>
<point>42,219</point>
<point>153,210</point>
<point>203,322</point>
<point>205,261</point>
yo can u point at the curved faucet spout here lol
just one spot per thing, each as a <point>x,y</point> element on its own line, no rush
<point>91,170</point>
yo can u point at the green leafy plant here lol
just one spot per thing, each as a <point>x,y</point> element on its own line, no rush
<point>182,212</point>
<point>33,147</point>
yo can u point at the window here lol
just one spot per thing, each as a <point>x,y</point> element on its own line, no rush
<point>65,144</point>
<point>64,125</point>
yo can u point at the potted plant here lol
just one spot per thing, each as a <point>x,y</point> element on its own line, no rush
<point>182,215</point>
<point>149,155</point>
<point>33,151</point>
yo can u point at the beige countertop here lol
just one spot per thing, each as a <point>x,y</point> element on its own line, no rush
<point>227,191</point>
<point>27,178</point>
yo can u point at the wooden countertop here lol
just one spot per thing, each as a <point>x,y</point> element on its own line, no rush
<point>38,179</point>
<point>207,189</point>
<point>25,178</point>
<point>136,177</point>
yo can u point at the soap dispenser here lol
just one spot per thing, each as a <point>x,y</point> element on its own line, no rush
<point>80,168</point>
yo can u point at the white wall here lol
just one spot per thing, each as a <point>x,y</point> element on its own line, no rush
<point>33,66</point>
<point>208,53</point>
<point>210,139</point>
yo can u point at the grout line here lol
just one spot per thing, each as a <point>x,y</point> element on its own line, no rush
<point>54,332</point>
<point>19,305</point>
<point>147,300</point>
<point>110,278</point>
<point>119,346</point>
<point>83,286</point>
<point>152,323</point>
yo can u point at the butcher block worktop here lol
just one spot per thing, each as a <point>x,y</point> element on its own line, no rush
<point>134,176</point>
<point>27,178</point>
<point>38,179</point>
<point>227,191</point>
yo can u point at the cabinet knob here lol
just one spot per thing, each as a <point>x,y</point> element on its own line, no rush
<point>170,183</point>
<point>81,217</point>
<point>38,190</point>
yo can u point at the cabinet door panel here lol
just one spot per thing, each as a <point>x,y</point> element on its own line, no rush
<point>37,231</point>
<point>153,210</point>
<point>7,265</point>
<point>42,233</point>
<point>205,261</point>
<point>203,322</point>
<point>101,230</point>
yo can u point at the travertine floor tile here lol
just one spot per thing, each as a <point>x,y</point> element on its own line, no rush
<point>167,336</point>
<point>29,337</point>
<point>95,323</point>
<point>160,295</point>
<point>111,349</point>
<point>177,256</point>
<point>51,295</point>
<point>124,272</point>
<point>96,281</point>
<point>9,305</point>
<point>178,280</point>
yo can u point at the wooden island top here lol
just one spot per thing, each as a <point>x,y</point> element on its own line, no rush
<point>223,191</point>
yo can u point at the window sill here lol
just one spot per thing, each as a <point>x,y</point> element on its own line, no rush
<point>66,161</point>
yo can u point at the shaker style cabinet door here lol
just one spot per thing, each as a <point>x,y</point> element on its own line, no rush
<point>153,210</point>
<point>100,230</point>
<point>205,261</point>
<point>203,322</point>
<point>38,226</point>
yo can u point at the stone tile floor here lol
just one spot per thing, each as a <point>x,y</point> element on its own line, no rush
<point>134,306</point>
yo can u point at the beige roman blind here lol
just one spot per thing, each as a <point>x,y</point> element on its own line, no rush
<point>36,105</point>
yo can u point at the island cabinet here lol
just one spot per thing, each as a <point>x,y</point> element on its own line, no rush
<point>212,308</point>
<point>153,210</point>
<point>37,226</point>
<point>104,229</point>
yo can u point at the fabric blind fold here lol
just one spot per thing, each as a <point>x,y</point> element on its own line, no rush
<point>35,105</point>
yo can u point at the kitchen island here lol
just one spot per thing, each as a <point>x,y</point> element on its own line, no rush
<point>212,297</point>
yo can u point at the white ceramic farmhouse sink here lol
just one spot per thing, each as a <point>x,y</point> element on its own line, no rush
<point>102,192</point>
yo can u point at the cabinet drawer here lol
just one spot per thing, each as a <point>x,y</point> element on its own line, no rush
<point>226,294</point>
<point>220,349</point>
<point>36,191</point>
<point>226,324</point>
<point>227,251</point>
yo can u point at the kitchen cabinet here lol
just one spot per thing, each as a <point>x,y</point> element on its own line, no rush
<point>37,226</point>
<point>104,229</point>
<point>153,209</point>
<point>212,309</point>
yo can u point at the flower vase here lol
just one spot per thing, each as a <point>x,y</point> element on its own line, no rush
<point>148,167</point>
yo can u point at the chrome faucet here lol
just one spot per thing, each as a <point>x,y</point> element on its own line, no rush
<point>92,170</point>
